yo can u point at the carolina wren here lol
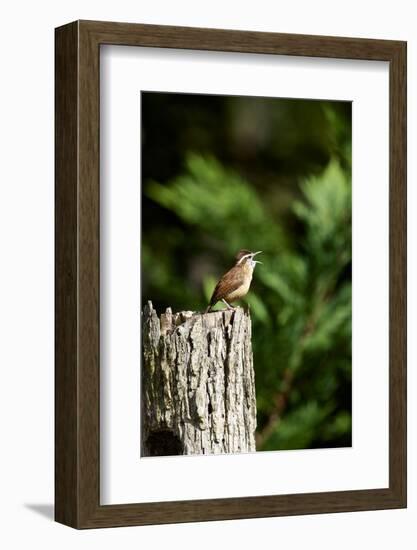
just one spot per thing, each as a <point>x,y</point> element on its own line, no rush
<point>235,284</point>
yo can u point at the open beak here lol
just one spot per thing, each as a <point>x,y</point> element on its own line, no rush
<point>254,254</point>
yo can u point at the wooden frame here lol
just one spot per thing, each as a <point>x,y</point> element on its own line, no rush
<point>77,274</point>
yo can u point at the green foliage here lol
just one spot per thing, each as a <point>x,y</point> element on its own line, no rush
<point>218,202</point>
<point>300,298</point>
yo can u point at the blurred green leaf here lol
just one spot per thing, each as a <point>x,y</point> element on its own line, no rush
<point>213,198</point>
<point>298,429</point>
<point>257,308</point>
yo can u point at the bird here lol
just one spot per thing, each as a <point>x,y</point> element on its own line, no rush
<point>235,284</point>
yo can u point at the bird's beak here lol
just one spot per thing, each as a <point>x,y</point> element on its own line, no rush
<point>254,254</point>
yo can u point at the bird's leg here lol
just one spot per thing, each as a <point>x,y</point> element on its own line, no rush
<point>228,305</point>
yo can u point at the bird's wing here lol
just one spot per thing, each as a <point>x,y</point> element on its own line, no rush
<point>231,280</point>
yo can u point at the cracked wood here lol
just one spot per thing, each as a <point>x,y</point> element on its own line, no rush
<point>198,383</point>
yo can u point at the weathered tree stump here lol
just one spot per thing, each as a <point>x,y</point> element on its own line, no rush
<point>198,383</point>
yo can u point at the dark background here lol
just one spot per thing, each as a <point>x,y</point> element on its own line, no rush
<point>221,173</point>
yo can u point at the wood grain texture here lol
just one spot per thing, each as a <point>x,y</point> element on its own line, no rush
<point>66,233</point>
<point>198,383</point>
<point>398,274</point>
<point>78,288</point>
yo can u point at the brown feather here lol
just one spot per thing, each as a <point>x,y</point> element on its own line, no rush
<point>230,281</point>
<point>242,253</point>
<point>235,284</point>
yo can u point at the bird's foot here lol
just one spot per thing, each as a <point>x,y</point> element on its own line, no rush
<point>229,307</point>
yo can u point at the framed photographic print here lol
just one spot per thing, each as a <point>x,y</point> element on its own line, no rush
<point>230,274</point>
